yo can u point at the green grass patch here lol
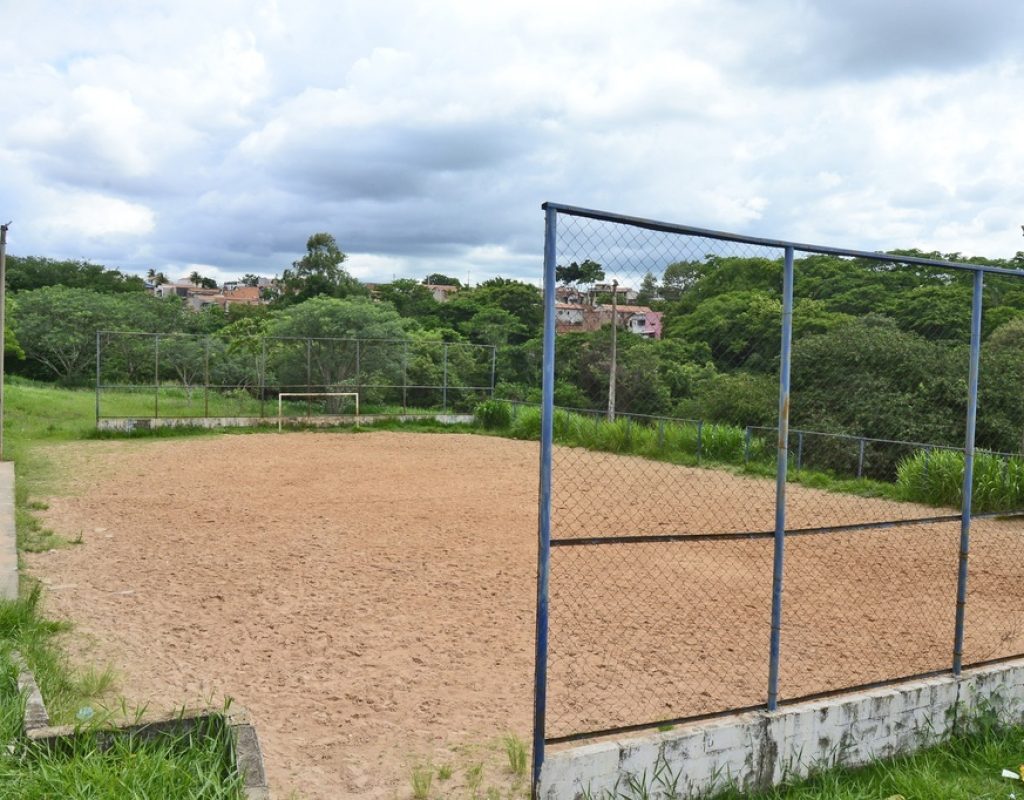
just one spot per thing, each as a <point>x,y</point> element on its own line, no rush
<point>685,443</point>
<point>936,478</point>
<point>966,766</point>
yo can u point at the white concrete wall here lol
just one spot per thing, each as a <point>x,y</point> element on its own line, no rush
<point>759,749</point>
<point>127,425</point>
<point>8,535</point>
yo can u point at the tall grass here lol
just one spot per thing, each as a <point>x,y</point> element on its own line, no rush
<point>936,478</point>
<point>933,477</point>
<point>690,442</point>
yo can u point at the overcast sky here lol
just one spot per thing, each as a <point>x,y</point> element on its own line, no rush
<point>218,135</point>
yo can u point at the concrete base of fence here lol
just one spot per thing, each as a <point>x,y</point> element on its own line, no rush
<point>129,424</point>
<point>760,749</point>
<point>8,534</point>
<point>248,756</point>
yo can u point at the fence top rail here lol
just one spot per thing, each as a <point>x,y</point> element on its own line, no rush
<point>854,437</point>
<point>270,338</point>
<point>669,227</point>
<point>603,412</point>
<point>851,436</point>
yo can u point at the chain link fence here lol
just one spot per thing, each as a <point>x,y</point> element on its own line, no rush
<point>154,375</point>
<point>755,492</point>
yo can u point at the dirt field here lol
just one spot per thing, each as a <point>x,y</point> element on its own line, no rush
<point>370,597</point>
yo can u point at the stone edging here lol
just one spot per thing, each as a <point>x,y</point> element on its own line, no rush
<point>248,756</point>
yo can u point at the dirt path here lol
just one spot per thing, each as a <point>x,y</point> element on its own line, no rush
<point>370,597</point>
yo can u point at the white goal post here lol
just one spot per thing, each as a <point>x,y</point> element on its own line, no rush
<point>282,395</point>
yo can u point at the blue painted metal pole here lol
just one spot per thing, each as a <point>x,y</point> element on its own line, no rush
<point>540,675</point>
<point>746,445</point>
<point>782,464</point>
<point>968,490</point>
<point>700,438</point>
<point>860,460</point>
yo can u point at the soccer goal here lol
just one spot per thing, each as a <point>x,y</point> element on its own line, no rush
<point>282,395</point>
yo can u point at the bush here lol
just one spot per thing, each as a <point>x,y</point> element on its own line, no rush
<point>494,414</point>
<point>936,478</point>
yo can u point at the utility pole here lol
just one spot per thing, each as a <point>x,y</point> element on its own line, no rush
<point>3,324</point>
<point>612,370</point>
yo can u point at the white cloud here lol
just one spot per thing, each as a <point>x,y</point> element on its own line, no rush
<point>425,136</point>
<point>94,216</point>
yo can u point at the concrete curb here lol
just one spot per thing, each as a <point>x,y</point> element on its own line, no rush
<point>130,424</point>
<point>760,749</point>
<point>248,755</point>
<point>8,534</point>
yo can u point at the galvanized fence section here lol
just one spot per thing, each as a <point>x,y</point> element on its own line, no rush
<point>801,523</point>
<point>161,375</point>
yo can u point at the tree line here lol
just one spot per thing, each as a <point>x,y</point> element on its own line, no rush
<point>879,349</point>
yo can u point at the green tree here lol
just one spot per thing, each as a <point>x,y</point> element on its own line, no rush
<point>493,326</point>
<point>410,299</point>
<point>521,300</point>
<point>678,277</point>
<point>648,289</point>
<point>440,279</point>
<point>586,273</point>
<point>31,272</point>
<point>56,327</point>
<point>352,318</point>
<point>319,272</point>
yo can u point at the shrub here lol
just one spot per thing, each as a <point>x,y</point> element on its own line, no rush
<point>494,414</point>
<point>936,478</point>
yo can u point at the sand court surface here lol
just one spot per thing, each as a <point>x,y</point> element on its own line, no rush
<point>369,597</point>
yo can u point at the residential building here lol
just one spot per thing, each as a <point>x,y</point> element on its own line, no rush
<point>441,292</point>
<point>578,317</point>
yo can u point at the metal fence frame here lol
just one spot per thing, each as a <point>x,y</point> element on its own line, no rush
<point>263,386</point>
<point>545,543</point>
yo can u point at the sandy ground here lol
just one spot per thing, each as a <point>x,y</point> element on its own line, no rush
<point>370,597</point>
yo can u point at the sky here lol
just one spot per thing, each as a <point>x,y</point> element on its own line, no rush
<point>219,135</point>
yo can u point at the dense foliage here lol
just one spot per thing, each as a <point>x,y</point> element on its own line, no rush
<point>880,350</point>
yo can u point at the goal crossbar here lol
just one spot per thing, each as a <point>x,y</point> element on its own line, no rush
<point>282,395</point>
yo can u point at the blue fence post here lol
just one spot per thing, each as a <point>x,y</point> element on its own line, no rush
<point>98,357</point>
<point>661,434</point>
<point>799,450</point>
<point>927,456</point>
<point>540,673</point>
<point>782,464</point>
<point>860,459</point>
<point>746,446</point>
<point>444,388</point>
<point>156,376</point>
<point>968,490</point>
<point>700,438</point>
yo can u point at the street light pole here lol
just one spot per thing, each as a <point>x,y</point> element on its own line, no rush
<point>615,329</point>
<point>3,325</point>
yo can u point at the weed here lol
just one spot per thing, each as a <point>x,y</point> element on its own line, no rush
<point>422,778</point>
<point>474,777</point>
<point>444,772</point>
<point>515,751</point>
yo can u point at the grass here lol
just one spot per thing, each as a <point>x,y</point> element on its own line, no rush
<point>933,478</point>
<point>966,766</point>
<point>38,415</point>
<point>687,444</point>
<point>422,779</point>
<point>936,477</point>
<point>515,752</point>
